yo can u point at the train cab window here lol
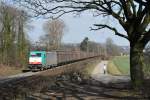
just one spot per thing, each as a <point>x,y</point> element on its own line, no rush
<point>38,54</point>
<point>33,55</point>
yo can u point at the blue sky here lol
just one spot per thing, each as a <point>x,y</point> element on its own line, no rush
<point>79,28</point>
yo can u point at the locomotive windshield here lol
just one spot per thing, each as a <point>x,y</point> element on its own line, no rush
<point>36,55</point>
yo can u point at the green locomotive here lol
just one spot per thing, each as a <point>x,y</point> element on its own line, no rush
<point>41,60</point>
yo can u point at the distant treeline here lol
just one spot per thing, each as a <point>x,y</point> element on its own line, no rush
<point>13,39</point>
<point>109,48</point>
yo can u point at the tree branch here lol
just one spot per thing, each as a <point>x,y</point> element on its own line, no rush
<point>132,19</point>
<point>146,37</point>
<point>125,9</point>
<point>101,26</point>
<point>133,8</point>
<point>141,2</point>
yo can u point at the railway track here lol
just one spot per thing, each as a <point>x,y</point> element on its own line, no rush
<point>17,76</point>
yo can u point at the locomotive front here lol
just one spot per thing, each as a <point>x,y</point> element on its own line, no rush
<point>36,59</point>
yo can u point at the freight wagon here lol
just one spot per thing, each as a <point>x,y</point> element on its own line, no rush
<point>41,60</point>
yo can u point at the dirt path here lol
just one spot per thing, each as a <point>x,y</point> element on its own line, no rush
<point>99,68</point>
<point>98,74</point>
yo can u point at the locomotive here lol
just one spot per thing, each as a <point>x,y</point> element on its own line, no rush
<point>40,60</point>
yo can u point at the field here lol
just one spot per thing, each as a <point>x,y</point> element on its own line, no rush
<point>119,66</point>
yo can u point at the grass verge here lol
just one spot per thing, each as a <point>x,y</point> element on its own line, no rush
<point>119,66</point>
<point>7,70</point>
<point>112,69</point>
<point>90,67</point>
<point>123,64</point>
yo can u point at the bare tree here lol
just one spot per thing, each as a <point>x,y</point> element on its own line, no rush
<point>132,15</point>
<point>13,39</point>
<point>111,48</point>
<point>84,46</point>
<point>55,31</point>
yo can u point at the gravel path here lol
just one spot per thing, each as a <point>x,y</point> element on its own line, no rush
<point>98,74</point>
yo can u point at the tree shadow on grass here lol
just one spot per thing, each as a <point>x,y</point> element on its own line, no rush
<point>93,90</point>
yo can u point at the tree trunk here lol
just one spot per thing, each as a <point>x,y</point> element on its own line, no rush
<point>136,65</point>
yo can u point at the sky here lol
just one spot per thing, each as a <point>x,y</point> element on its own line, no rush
<point>78,27</point>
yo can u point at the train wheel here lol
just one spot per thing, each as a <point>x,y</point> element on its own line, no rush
<point>41,69</point>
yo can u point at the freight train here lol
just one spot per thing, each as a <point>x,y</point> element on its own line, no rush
<point>40,60</point>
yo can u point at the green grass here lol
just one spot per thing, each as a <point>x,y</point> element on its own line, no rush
<point>119,65</point>
<point>112,69</point>
<point>123,64</point>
